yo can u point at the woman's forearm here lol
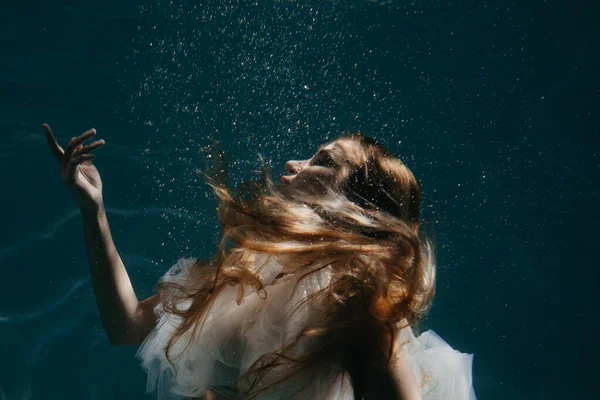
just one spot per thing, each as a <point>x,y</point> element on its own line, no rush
<point>115,296</point>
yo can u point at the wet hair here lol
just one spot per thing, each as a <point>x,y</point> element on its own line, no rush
<point>366,229</point>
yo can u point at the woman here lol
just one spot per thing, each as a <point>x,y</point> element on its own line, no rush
<point>311,295</point>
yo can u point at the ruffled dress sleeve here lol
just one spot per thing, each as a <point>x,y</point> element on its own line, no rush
<point>442,373</point>
<point>234,336</point>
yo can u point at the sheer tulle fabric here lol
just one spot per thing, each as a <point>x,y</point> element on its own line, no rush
<point>234,336</point>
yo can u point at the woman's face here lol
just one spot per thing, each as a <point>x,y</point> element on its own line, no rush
<point>317,174</point>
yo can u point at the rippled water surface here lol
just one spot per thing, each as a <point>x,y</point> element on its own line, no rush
<point>492,104</point>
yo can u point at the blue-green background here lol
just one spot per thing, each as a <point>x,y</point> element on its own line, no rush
<point>493,104</point>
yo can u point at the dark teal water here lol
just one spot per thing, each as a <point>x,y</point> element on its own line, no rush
<point>493,105</point>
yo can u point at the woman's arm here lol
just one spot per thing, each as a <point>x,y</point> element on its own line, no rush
<point>403,377</point>
<point>394,380</point>
<point>125,319</point>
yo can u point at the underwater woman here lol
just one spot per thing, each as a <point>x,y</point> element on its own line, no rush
<point>312,293</point>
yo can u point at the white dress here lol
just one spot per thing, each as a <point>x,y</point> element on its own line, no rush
<point>234,336</point>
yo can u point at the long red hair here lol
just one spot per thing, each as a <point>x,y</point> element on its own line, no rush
<point>366,229</point>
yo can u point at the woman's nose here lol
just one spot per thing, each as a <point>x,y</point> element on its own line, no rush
<point>293,166</point>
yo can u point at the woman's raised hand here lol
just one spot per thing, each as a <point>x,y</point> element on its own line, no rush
<point>76,168</point>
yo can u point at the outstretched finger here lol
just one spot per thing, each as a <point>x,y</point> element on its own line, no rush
<point>89,148</point>
<point>75,161</point>
<point>76,141</point>
<point>52,143</point>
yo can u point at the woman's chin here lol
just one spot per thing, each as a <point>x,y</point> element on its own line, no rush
<point>282,185</point>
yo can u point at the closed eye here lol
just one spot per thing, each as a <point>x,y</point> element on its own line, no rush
<point>323,159</point>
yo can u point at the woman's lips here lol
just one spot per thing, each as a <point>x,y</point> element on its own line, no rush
<point>286,179</point>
